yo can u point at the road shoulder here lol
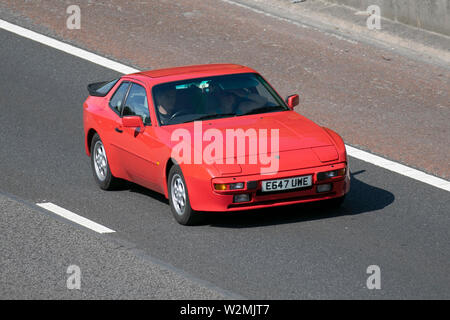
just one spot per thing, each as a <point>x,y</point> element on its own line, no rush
<point>351,24</point>
<point>36,251</point>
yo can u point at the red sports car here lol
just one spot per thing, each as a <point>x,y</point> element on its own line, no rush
<point>211,138</point>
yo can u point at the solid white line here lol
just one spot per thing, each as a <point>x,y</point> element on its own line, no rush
<point>398,168</point>
<point>75,218</point>
<point>59,45</point>
<point>116,66</point>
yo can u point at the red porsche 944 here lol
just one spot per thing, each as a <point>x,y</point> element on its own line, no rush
<point>211,138</point>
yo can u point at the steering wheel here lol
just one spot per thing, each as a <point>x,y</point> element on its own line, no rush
<point>178,113</point>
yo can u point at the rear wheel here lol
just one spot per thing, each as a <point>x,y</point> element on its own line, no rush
<point>100,165</point>
<point>179,198</point>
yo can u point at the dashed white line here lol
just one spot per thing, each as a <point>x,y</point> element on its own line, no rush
<point>116,66</point>
<point>75,217</point>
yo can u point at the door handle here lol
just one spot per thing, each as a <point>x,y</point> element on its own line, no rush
<point>118,130</point>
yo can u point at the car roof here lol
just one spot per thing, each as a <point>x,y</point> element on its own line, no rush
<point>204,69</point>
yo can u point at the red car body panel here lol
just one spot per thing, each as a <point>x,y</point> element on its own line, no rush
<point>143,158</point>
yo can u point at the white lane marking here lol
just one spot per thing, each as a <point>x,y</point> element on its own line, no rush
<point>74,217</point>
<point>116,66</point>
<point>398,168</point>
<point>83,54</point>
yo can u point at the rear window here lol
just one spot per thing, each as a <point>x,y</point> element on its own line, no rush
<point>101,89</point>
<point>108,86</point>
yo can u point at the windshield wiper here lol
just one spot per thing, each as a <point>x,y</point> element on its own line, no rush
<point>212,116</point>
<point>264,109</point>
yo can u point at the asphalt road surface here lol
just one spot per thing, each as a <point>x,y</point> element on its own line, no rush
<point>39,252</point>
<point>298,252</point>
<point>367,93</point>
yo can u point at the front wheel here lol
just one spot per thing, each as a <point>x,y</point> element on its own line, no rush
<point>179,198</point>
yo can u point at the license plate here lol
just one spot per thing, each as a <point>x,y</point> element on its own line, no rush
<point>287,184</point>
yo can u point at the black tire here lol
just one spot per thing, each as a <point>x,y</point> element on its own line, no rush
<point>106,181</point>
<point>185,216</point>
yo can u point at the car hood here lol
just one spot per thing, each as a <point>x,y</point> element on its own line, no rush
<point>295,133</point>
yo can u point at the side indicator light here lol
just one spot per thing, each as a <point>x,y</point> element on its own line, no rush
<point>220,186</point>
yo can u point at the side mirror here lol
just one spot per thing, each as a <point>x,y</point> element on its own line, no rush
<point>292,101</point>
<point>132,122</point>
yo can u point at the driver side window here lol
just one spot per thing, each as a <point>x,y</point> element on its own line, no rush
<point>137,104</point>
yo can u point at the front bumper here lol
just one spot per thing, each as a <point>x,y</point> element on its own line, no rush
<point>222,201</point>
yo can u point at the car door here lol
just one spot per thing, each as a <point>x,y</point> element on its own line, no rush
<point>141,149</point>
<point>111,123</point>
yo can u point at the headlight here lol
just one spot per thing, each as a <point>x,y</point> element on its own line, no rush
<point>237,186</point>
<point>229,186</point>
<point>331,174</point>
<point>245,197</point>
<point>324,187</point>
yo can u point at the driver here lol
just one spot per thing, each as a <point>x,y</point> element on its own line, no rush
<point>220,101</point>
<point>248,101</point>
<point>228,102</point>
<point>166,103</point>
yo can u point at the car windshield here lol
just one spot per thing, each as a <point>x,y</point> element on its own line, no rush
<point>215,97</point>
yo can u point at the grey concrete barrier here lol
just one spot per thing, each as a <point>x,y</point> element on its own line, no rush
<point>431,15</point>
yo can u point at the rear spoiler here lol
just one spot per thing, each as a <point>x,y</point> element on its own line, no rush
<point>101,89</point>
